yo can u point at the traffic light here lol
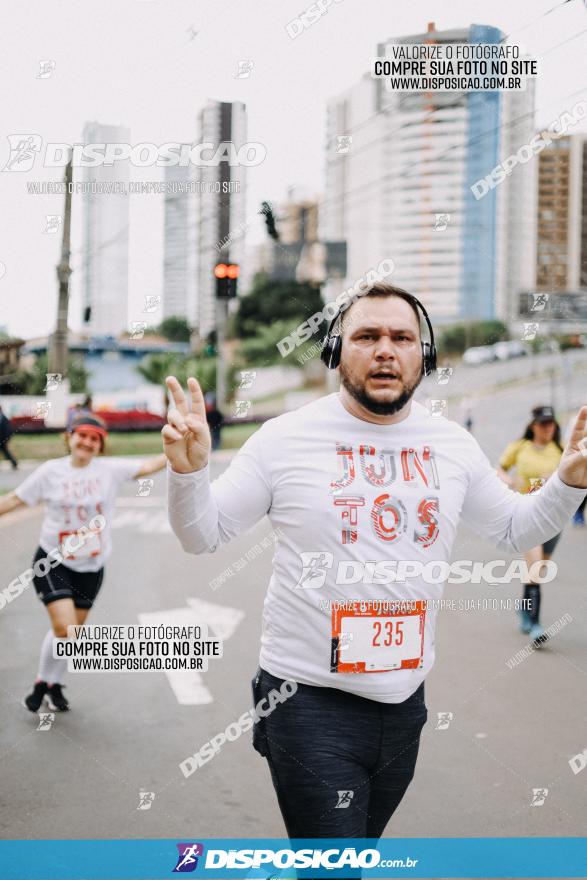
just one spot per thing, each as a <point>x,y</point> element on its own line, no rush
<point>267,211</point>
<point>226,275</point>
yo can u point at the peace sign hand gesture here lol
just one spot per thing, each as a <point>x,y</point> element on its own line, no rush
<point>186,437</point>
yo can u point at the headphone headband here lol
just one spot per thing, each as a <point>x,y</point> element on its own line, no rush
<point>332,343</point>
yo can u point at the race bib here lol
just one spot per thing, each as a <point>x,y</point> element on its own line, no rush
<point>80,545</point>
<point>377,636</point>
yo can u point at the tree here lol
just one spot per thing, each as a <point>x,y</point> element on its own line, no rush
<point>261,350</point>
<point>175,329</point>
<point>456,338</point>
<point>269,301</point>
<point>156,367</point>
<point>35,381</point>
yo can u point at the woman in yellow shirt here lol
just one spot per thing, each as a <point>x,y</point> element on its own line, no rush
<point>535,457</point>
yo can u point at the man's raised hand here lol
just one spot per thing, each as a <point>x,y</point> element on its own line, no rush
<point>572,467</point>
<point>186,436</point>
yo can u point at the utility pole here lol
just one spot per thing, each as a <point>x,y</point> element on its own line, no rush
<point>226,275</point>
<point>58,352</point>
<point>221,315</point>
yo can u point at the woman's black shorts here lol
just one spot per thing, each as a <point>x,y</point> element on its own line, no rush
<point>62,582</point>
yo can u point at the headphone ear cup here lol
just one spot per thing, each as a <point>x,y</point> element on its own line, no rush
<point>433,358</point>
<point>425,358</point>
<point>428,358</point>
<point>330,354</point>
<point>326,350</point>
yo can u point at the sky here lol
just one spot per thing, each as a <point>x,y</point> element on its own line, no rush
<point>135,63</point>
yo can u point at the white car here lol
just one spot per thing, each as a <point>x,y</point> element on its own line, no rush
<point>511,348</point>
<point>480,354</point>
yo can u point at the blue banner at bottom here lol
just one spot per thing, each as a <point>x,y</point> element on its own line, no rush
<point>282,859</point>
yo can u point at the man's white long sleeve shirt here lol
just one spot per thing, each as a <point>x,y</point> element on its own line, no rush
<point>347,496</point>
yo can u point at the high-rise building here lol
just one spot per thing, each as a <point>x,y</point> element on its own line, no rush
<point>299,255</point>
<point>298,218</point>
<point>297,224</point>
<point>179,243</point>
<point>221,205</point>
<point>561,258</point>
<point>105,237</point>
<point>400,167</point>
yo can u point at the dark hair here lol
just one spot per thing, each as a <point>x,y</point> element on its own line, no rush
<point>529,433</point>
<point>381,289</point>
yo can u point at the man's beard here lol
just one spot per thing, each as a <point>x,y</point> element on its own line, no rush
<point>380,408</point>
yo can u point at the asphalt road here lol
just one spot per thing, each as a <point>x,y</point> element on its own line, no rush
<point>513,729</point>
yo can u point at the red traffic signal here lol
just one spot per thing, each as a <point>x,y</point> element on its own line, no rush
<point>226,270</point>
<point>226,279</point>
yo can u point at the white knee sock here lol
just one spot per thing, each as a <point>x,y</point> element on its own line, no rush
<point>51,670</point>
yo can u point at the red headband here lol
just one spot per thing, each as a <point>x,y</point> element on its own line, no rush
<point>88,426</point>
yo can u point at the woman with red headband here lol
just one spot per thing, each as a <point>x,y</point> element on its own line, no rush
<point>79,491</point>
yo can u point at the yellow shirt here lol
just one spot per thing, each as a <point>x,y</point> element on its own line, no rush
<point>530,462</point>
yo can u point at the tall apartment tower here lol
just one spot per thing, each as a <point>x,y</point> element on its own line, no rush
<point>221,205</point>
<point>561,258</point>
<point>179,244</point>
<point>396,160</point>
<point>105,239</point>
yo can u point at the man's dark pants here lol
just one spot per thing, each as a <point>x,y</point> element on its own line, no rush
<point>340,763</point>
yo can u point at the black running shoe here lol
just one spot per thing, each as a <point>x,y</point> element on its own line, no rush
<point>34,700</point>
<point>55,699</point>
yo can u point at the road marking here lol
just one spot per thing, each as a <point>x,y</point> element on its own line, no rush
<point>144,521</point>
<point>24,513</point>
<point>142,501</point>
<point>222,620</point>
<point>188,686</point>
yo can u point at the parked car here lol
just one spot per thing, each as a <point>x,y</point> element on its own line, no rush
<point>480,354</point>
<point>510,348</point>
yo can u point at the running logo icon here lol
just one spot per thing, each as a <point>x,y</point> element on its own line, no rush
<point>344,799</point>
<point>145,487</point>
<point>539,795</point>
<point>187,860</point>
<point>314,565</point>
<point>46,719</point>
<point>444,719</point>
<point>23,151</point>
<point>443,374</point>
<point>539,301</point>
<point>441,222</point>
<point>146,799</point>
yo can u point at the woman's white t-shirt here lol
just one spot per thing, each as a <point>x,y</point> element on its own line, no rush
<point>74,496</point>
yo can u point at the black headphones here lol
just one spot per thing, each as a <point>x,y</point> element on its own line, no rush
<point>332,343</point>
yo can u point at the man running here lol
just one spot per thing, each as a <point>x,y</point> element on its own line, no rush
<point>356,478</point>
<point>6,432</point>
